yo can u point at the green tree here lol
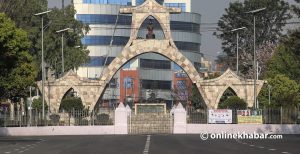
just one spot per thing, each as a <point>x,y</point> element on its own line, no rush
<point>37,104</point>
<point>285,92</point>
<point>296,8</point>
<point>22,12</point>
<point>75,54</point>
<point>70,103</point>
<point>233,102</point>
<point>269,25</point>
<point>196,98</point>
<point>17,69</point>
<point>286,59</point>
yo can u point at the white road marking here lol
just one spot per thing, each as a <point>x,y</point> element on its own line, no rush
<point>7,152</point>
<point>285,152</point>
<point>261,147</point>
<point>251,145</point>
<point>147,145</point>
<point>272,149</point>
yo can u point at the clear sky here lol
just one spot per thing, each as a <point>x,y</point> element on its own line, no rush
<point>211,11</point>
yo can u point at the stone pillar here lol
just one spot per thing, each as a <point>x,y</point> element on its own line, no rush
<point>12,110</point>
<point>121,119</point>
<point>179,120</point>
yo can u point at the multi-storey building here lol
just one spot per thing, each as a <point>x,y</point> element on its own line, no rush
<point>146,74</point>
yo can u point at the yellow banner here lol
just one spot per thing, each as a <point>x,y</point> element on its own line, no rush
<point>250,119</point>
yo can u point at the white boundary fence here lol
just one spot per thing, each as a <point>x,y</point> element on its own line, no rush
<point>180,127</point>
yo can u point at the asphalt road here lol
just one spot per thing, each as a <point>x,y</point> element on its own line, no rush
<point>145,144</point>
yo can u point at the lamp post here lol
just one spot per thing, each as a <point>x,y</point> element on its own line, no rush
<point>62,48</point>
<point>254,12</point>
<point>237,46</point>
<point>41,14</point>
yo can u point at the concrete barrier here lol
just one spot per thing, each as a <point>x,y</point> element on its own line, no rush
<point>239,128</point>
<point>56,130</point>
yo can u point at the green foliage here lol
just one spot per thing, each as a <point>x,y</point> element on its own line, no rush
<point>269,25</point>
<point>71,103</point>
<point>37,104</point>
<point>227,94</point>
<point>22,12</point>
<point>296,8</point>
<point>286,59</point>
<point>17,70</point>
<point>74,55</point>
<point>233,102</point>
<point>103,119</point>
<point>285,92</point>
<point>196,98</point>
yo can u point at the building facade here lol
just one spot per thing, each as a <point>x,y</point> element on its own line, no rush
<point>146,74</point>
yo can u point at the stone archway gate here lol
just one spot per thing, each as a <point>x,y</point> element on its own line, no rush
<point>91,90</point>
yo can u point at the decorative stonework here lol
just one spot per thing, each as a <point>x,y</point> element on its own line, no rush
<point>85,88</point>
<point>91,90</point>
<point>244,88</point>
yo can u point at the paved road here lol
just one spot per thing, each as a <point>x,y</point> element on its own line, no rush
<point>145,144</point>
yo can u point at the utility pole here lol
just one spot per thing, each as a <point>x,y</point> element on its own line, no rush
<point>253,12</point>
<point>237,46</point>
<point>43,67</point>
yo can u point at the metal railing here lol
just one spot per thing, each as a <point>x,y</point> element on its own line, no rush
<point>63,118</point>
<point>269,115</point>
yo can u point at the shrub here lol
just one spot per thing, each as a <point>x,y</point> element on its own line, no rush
<point>103,119</point>
<point>38,104</point>
<point>71,103</point>
<point>233,102</point>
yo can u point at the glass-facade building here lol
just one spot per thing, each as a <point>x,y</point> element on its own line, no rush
<point>101,16</point>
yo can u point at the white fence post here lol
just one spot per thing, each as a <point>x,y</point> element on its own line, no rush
<point>121,119</point>
<point>179,120</point>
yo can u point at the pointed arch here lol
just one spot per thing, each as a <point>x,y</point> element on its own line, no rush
<point>158,30</point>
<point>139,21</point>
<point>221,93</point>
<point>68,89</point>
<point>162,47</point>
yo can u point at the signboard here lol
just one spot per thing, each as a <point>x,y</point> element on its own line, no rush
<point>221,116</point>
<point>249,117</point>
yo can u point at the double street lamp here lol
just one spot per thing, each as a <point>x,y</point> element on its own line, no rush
<point>254,12</point>
<point>237,46</point>
<point>41,14</point>
<point>62,47</point>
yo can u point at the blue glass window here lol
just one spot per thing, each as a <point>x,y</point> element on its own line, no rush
<point>122,40</point>
<point>181,84</point>
<point>103,19</point>
<point>126,20</point>
<point>187,46</point>
<point>96,61</point>
<point>182,6</point>
<point>156,84</point>
<point>121,2</point>
<point>128,82</point>
<point>139,2</point>
<point>155,64</point>
<point>104,40</point>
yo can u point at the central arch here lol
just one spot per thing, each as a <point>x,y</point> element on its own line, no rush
<point>162,47</point>
<point>136,47</point>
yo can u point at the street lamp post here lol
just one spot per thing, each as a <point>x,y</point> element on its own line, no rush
<point>254,51</point>
<point>237,46</point>
<point>62,48</point>
<point>41,14</point>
